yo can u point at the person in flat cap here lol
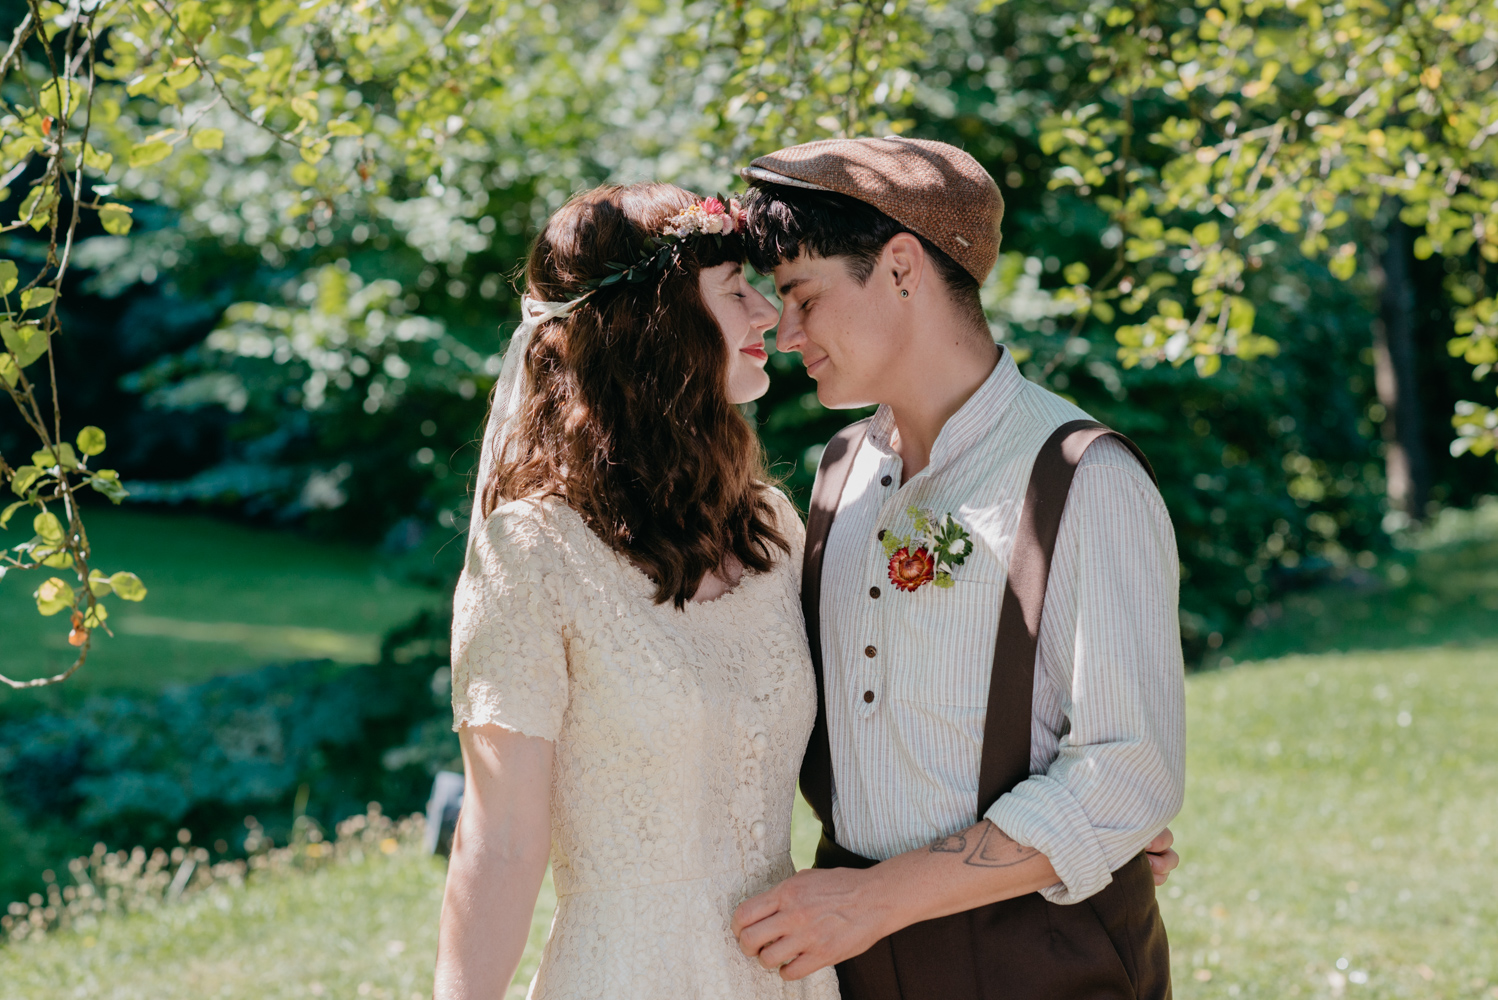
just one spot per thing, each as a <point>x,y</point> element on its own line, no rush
<point>990,588</point>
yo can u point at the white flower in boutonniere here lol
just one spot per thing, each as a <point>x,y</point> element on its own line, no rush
<point>929,554</point>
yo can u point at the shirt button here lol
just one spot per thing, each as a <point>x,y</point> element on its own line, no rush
<point>869,651</point>
<point>874,592</point>
<point>868,696</point>
<point>885,481</point>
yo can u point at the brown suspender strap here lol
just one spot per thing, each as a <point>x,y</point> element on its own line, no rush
<point>832,476</point>
<point>1006,733</point>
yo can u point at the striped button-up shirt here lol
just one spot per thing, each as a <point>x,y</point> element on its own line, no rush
<point>907,673</point>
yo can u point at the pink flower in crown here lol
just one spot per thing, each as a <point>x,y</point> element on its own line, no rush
<point>737,214</point>
<point>712,206</point>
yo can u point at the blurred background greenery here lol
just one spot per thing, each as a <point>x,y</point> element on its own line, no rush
<point>292,360</point>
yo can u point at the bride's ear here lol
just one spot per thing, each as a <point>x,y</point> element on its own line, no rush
<point>904,264</point>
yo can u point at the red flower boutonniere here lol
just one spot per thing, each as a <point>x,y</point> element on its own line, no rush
<point>929,553</point>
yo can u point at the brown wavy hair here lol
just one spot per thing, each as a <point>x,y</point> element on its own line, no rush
<point>629,421</point>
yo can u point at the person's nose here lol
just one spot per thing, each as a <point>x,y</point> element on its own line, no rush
<point>789,336</point>
<point>762,314</point>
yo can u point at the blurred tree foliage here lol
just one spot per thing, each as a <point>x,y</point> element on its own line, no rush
<point>321,207</point>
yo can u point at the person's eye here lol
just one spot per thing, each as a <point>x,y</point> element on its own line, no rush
<point>740,295</point>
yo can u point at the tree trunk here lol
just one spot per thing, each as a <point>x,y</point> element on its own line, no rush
<point>1407,466</point>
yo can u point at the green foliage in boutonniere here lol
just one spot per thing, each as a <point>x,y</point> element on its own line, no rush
<point>929,554</point>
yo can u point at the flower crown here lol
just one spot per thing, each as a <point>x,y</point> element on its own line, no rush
<point>709,217</point>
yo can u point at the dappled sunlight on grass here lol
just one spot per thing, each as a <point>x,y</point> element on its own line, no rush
<point>1340,822</point>
<point>1439,588</point>
<point>223,598</point>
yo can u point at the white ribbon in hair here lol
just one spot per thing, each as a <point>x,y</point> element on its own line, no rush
<point>510,393</point>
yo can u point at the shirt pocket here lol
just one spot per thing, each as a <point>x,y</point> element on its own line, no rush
<point>944,644</point>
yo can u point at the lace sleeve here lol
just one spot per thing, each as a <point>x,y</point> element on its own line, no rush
<point>509,650</point>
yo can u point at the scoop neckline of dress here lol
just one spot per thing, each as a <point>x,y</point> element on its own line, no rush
<point>640,581</point>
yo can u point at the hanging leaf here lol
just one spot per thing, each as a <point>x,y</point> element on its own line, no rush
<point>53,596</point>
<point>8,276</point>
<point>33,297</point>
<point>24,477</point>
<point>48,527</point>
<point>128,586</point>
<point>208,138</point>
<point>144,154</point>
<point>9,512</point>
<point>26,341</point>
<point>91,440</point>
<point>107,482</point>
<point>62,455</point>
<point>115,218</point>
<point>305,108</point>
<point>99,584</point>
<point>97,159</point>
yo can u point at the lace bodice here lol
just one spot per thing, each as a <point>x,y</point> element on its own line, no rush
<point>678,733</point>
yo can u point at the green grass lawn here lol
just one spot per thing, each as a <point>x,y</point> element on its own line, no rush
<point>1338,840</point>
<point>1439,587</point>
<point>223,598</point>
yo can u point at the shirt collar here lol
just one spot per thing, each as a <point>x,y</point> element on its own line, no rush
<point>969,424</point>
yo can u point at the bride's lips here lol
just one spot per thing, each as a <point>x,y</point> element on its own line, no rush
<point>755,351</point>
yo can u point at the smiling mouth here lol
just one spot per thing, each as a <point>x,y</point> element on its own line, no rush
<point>755,351</point>
<point>813,365</point>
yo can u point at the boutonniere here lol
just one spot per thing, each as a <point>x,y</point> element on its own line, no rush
<point>929,554</point>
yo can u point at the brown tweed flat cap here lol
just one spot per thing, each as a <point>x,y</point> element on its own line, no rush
<point>933,189</point>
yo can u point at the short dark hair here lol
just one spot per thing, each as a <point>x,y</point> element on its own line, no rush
<point>784,221</point>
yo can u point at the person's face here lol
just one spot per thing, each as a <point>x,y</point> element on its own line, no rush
<point>743,315</point>
<point>846,332</point>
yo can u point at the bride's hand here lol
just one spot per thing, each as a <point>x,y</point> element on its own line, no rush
<point>813,919</point>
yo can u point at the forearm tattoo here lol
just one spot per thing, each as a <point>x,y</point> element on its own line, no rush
<point>993,850</point>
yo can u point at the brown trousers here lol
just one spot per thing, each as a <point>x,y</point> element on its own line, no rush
<point>1111,946</point>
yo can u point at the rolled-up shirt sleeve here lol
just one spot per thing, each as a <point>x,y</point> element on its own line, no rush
<point>1109,731</point>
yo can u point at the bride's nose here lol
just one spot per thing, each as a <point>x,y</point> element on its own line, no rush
<point>762,314</point>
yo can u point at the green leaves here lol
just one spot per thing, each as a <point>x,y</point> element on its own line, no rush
<point>208,138</point>
<point>91,440</point>
<point>54,595</point>
<point>107,482</point>
<point>128,586</point>
<point>62,457</point>
<point>48,528</point>
<point>143,154</point>
<point>26,341</point>
<point>116,219</point>
<point>34,297</point>
<point>25,477</point>
<point>8,276</point>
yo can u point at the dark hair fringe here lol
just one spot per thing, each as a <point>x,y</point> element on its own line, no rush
<point>786,221</point>
<point>630,422</point>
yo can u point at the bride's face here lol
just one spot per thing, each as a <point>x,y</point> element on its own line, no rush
<point>743,315</point>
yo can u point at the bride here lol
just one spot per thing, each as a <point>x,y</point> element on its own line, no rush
<point>631,682</point>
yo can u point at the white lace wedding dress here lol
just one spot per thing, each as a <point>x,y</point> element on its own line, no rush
<point>678,735</point>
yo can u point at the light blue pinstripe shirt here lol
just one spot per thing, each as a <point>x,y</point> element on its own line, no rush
<point>907,673</point>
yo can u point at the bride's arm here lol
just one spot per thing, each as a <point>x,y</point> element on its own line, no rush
<point>498,859</point>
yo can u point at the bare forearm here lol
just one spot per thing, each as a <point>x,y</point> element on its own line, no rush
<point>498,860</point>
<point>978,866</point>
<point>486,920</point>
